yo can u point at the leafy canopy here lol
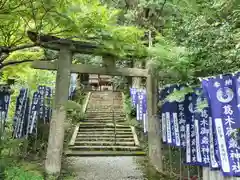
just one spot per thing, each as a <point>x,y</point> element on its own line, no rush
<point>196,38</point>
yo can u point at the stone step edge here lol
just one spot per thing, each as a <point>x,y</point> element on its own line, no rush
<point>107,129</point>
<point>102,142</point>
<point>93,125</point>
<point>104,153</point>
<point>98,143</point>
<point>95,138</point>
<point>105,147</point>
<point>111,139</point>
<point>104,133</point>
<point>103,130</point>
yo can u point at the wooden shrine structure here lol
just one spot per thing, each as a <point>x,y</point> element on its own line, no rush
<point>64,68</point>
<point>100,82</point>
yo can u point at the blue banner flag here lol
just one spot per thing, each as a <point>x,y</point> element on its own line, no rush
<point>201,119</point>
<point>47,105</point>
<point>133,94</point>
<point>140,95</point>
<point>169,115</point>
<point>33,115</point>
<point>194,128</point>
<point>26,115</point>
<point>213,148</point>
<point>144,108</point>
<point>236,80</point>
<point>182,119</point>
<point>5,92</point>
<point>73,85</point>
<point>5,101</point>
<point>174,122</point>
<point>42,93</point>
<point>18,120</point>
<point>189,104</point>
<point>166,115</point>
<point>222,93</point>
<point>162,96</point>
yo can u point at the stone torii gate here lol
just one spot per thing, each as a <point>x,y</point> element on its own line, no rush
<point>64,68</point>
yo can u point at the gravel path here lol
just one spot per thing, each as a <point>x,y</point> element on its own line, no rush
<point>107,168</point>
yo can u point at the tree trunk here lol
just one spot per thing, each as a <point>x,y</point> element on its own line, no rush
<point>56,134</point>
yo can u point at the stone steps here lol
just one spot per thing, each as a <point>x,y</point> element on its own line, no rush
<point>104,135</point>
<point>105,114</point>
<point>96,136</point>
<point>95,120</point>
<point>96,105</point>
<point>116,111</point>
<point>105,148</point>
<point>103,143</point>
<point>107,102</point>
<point>100,124</point>
<point>107,110</point>
<point>104,153</point>
<point>86,124</point>
<point>106,139</point>
<point>105,132</point>
<point>104,119</point>
<point>90,130</point>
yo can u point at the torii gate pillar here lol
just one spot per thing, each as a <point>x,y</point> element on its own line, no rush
<point>154,135</point>
<point>56,133</point>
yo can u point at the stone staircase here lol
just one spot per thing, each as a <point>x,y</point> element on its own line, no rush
<point>96,135</point>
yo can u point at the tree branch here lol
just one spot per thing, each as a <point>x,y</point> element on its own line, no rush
<point>22,47</point>
<point>7,50</point>
<point>14,62</point>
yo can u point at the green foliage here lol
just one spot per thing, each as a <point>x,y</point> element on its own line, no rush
<point>201,105</point>
<point>78,20</point>
<point>99,23</point>
<point>198,38</point>
<point>18,173</point>
<point>75,111</point>
<point>178,95</point>
<point>13,169</point>
<point>210,36</point>
<point>75,107</point>
<point>127,106</point>
<point>71,105</point>
<point>130,112</point>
